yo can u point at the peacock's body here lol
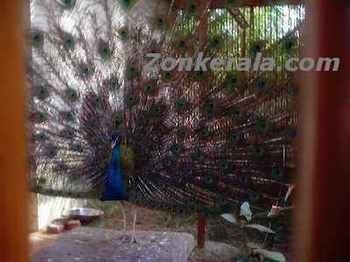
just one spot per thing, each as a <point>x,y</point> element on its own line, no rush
<point>114,182</point>
<point>190,140</point>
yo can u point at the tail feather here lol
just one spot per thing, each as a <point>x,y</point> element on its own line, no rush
<point>197,140</point>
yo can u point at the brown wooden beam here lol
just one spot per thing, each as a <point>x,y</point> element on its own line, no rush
<point>323,207</point>
<point>243,3</point>
<point>13,162</point>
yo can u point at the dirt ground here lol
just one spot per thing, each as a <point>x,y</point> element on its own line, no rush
<point>218,230</point>
<point>154,220</point>
<point>148,219</point>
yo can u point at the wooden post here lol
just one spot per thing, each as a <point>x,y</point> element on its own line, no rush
<point>13,171</point>
<point>201,230</point>
<point>324,187</point>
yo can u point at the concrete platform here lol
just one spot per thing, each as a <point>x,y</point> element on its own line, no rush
<point>95,244</point>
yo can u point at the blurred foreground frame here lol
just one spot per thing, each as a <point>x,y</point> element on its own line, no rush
<point>322,207</point>
<point>13,163</point>
<point>322,210</point>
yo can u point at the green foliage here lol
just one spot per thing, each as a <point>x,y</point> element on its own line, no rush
<point>265,36</point>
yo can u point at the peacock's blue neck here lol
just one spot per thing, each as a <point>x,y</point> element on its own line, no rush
<point>114,185</point>
<point>115,160</point>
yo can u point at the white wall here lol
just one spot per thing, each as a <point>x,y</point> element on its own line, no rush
<point>50,208</point>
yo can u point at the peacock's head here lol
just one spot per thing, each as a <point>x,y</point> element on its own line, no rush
<point>115,139</point>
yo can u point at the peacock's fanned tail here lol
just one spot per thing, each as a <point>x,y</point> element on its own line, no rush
<point>192,140</point>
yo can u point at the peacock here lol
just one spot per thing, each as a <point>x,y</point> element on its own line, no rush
<point>103,127</point>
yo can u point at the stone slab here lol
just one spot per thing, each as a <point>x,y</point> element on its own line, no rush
<point>102,245</point>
